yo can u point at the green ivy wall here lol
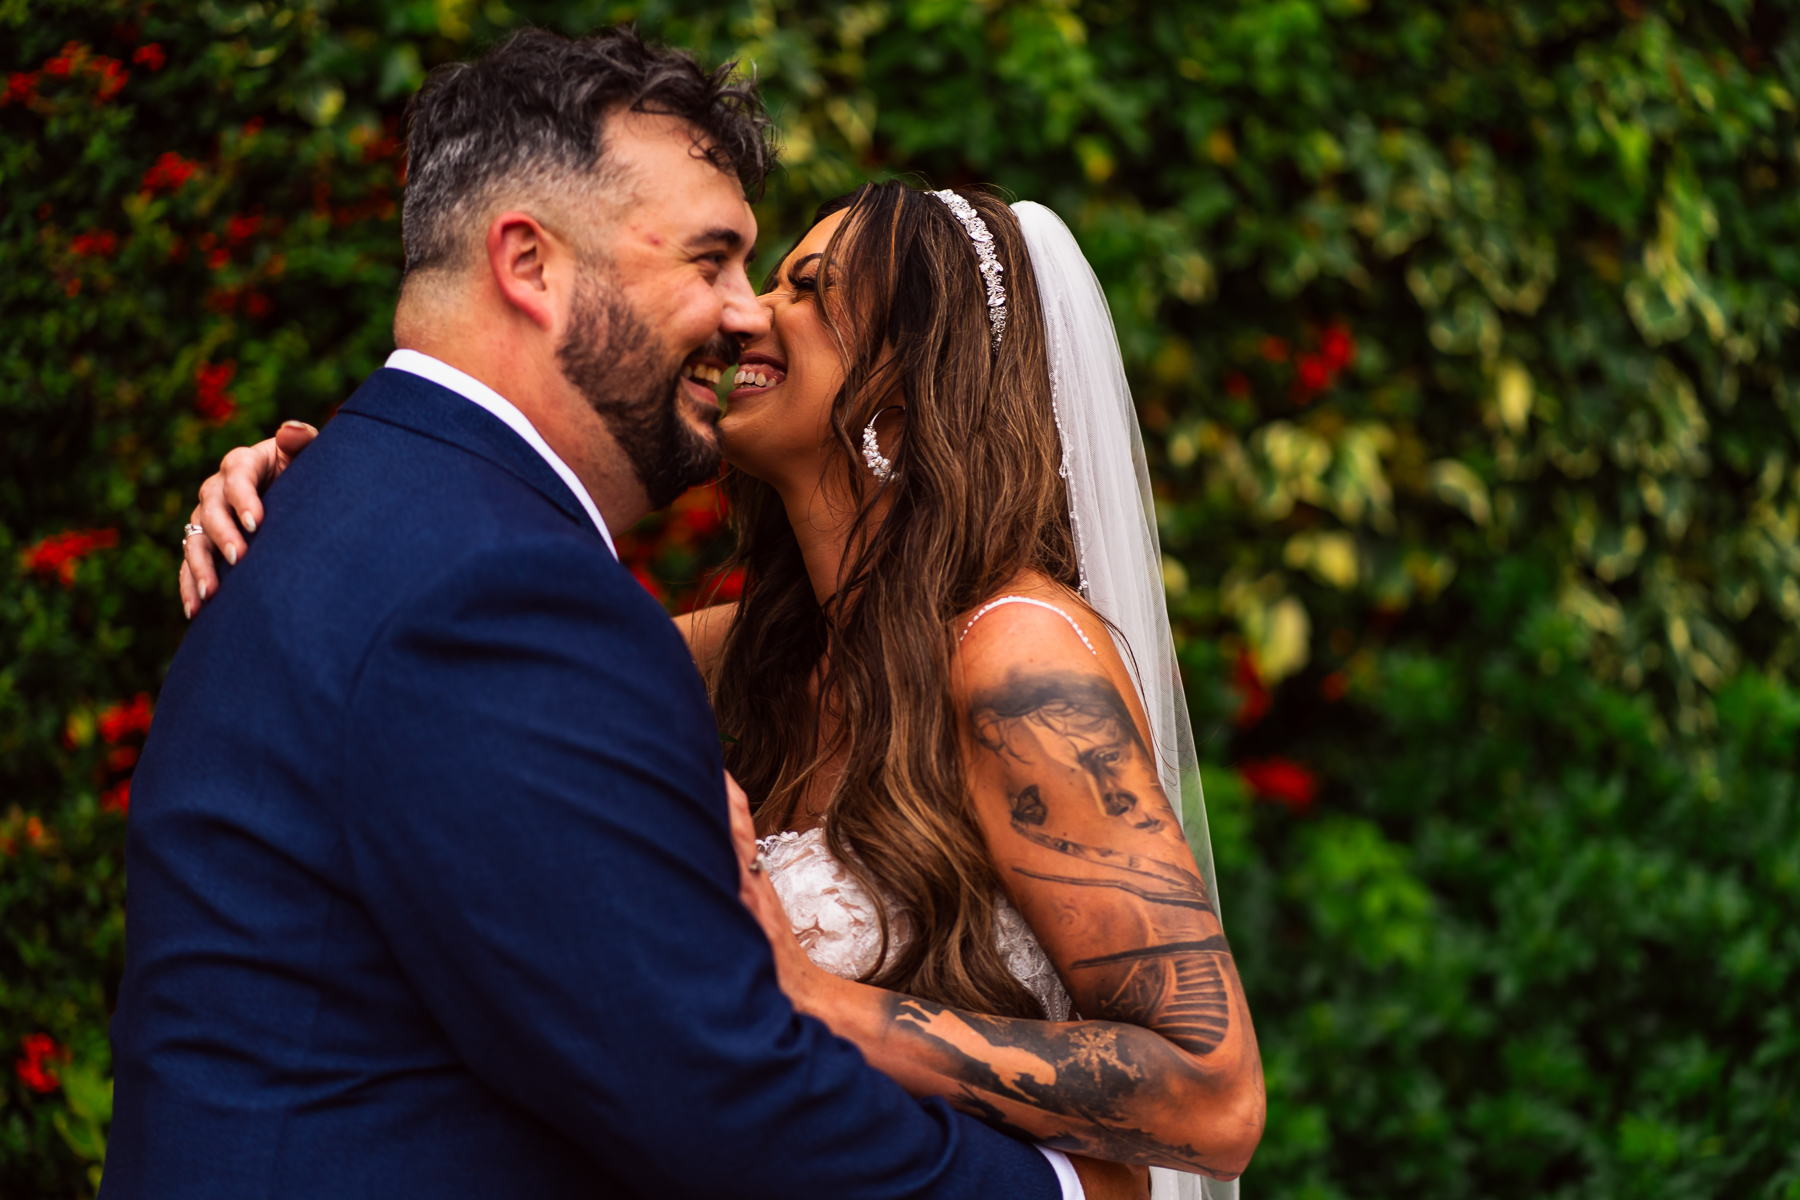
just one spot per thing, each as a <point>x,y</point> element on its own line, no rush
<point>1467,342</point>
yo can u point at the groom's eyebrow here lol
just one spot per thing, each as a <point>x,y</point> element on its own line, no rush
<point>725,236</point>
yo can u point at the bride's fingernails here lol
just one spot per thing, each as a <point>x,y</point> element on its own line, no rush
<point>203,591</point>
<point>231,555</point>
<point>187,610</point>
<point>249,521</point>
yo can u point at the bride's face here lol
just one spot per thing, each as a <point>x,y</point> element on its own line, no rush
<point>777,422</point>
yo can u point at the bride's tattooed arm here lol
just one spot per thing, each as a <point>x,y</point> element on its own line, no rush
<point>1164,1068</point>
<point>1070,734</point>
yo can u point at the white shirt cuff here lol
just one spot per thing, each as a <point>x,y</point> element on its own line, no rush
<point>1065,1174</point>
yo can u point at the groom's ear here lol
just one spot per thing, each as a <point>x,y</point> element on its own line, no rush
<point>520,253</point>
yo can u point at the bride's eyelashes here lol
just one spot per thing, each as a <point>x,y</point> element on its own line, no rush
<point>808,285</point>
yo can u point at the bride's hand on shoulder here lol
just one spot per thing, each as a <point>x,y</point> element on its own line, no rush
<point>231,506</point>
<point>797,974</point>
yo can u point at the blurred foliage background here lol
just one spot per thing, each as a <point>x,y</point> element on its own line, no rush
<point>1464,337</point>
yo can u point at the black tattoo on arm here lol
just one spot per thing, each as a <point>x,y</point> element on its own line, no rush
<point>1088,1074</point>
<point>1176,986</point>
<point>1087,714</point>
<point>1180,887</point>
<point>1178,990</point>
<point>1028,807</point>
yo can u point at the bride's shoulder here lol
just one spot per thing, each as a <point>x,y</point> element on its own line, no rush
<point>704,631</point>
<point>1035,620</point>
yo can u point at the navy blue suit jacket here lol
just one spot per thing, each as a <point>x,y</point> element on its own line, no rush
<point>431,889</point>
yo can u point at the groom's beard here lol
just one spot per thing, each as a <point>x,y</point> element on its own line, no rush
<point>617,362</point>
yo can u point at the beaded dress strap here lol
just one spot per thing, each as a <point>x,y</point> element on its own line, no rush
<point>991,605</point>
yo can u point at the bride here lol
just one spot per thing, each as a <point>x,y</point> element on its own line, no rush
<point>950,683</point>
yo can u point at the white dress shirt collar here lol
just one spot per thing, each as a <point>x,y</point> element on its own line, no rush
<point>479,393</point>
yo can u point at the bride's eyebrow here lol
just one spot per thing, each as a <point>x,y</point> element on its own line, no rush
<point>794,267</point>
<point>774,279</point>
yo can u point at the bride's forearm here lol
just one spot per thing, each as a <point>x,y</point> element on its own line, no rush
<point>1100,1088</point>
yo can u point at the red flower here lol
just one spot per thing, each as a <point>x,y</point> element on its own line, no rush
<point>1282,781</point>
<point>1253,694</point>
<point>122,759</point>
<point>122,720</point>
<point>700,519</point>
<point>95,243</point>
<point>20,87</point>
<point>59,67</point>
<point>257,304</point>
<point>242,226</point>
<point>59,553</point>
<point>113,77</point>
<point>170,172</point>
<point>1274,349</point>
<point>210,397</point>
<point>36,834</point>
<point>117,799</point>
<point>150,55</point>
<point>1314,373</point>
<point>252,127</point>
<point>380,148</point>
<point>730,586</point>
<point>646,582</point>
<point>39,1048</point>
<point>1338,347</point>
<point>1237,385</point>
<point>1334,687</point>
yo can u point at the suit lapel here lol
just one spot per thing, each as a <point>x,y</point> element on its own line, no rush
<point>406,400</point>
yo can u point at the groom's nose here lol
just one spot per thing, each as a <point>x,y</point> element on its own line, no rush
<point>743,320</point>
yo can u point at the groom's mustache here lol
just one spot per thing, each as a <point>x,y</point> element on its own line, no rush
<point>719,350</point>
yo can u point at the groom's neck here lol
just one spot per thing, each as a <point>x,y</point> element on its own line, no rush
<point>520,364</point>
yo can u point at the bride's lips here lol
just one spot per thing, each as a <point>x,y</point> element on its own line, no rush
<point>753,366</point>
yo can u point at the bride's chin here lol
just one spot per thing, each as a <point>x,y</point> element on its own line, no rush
<point>731,453</point>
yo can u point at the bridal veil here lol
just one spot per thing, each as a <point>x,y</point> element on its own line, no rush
<point>1114,518</point>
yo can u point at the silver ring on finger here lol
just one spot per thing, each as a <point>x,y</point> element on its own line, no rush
<point>759,864</point>
<point>188,531</point>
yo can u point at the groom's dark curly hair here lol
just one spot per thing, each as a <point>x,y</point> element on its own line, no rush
<point>526,119</point>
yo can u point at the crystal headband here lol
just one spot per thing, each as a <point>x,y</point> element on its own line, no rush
<point>984,249</point>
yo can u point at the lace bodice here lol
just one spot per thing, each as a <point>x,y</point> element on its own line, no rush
<point>835,920</point>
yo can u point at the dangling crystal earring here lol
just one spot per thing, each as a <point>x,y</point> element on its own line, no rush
<point>879,466</point>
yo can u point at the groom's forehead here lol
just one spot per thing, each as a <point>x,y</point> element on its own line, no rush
<point>668,178</point>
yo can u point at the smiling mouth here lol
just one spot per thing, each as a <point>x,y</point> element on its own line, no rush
<point>705,374</point>
<point>756,373</point>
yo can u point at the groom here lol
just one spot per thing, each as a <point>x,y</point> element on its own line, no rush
<point>432,892</point>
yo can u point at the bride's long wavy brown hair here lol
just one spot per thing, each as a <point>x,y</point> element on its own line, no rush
<point>862,684</point>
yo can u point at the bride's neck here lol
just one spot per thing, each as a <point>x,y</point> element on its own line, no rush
<point>823,517</point>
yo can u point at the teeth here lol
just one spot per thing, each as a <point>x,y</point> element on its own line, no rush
<point>753,378</point>
<point>705,374</point>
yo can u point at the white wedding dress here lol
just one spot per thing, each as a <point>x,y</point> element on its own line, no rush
<point>834,918</point>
